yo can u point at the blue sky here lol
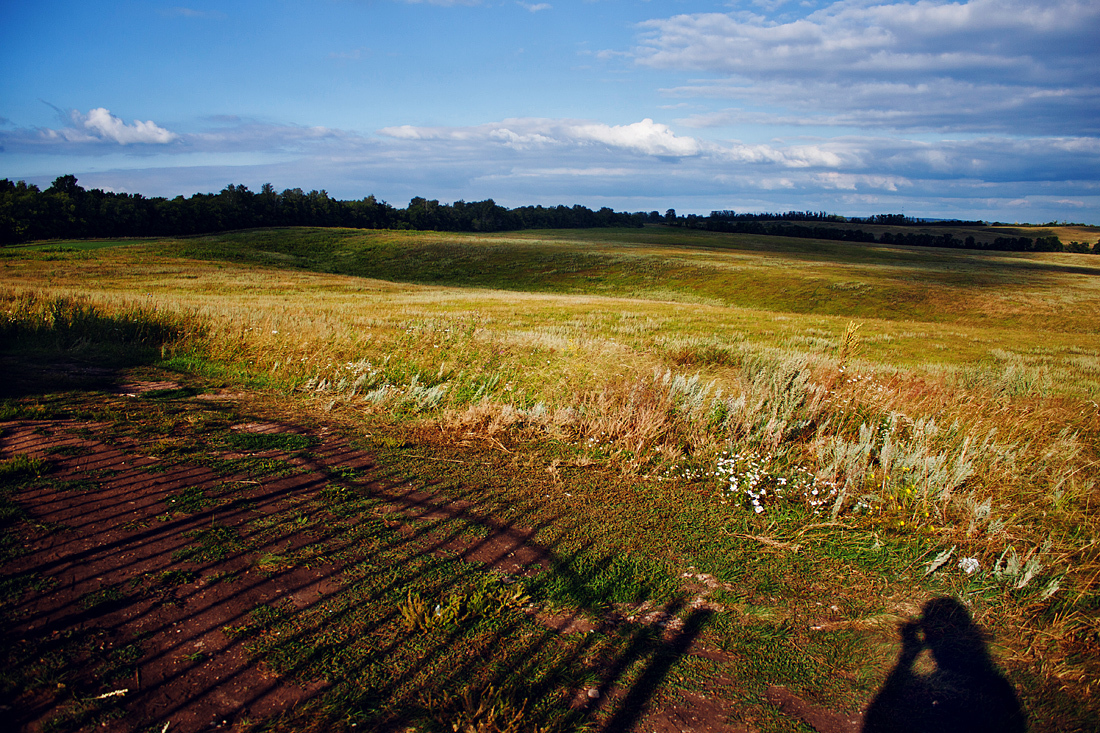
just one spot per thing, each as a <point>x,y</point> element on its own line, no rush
<point>982,109</point>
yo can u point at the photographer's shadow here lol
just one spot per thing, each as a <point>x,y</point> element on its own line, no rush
<point>966,692</point>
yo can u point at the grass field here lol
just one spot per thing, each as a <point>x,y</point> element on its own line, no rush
<point>775,413</point>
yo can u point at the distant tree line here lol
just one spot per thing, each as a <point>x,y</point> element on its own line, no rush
<point>65,210</point>
<point>792,224</point>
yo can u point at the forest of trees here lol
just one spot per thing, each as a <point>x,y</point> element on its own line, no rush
<point>814,225</point>
<point>65,210</point>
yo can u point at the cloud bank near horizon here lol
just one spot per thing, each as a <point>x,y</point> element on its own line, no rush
<point>535,160</point>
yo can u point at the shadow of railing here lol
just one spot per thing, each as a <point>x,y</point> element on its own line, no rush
<point>350,573</point>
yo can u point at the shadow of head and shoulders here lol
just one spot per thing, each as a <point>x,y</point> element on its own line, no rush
<point>963,692</point>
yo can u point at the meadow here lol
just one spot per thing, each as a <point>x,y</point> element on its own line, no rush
<point>797,419</point>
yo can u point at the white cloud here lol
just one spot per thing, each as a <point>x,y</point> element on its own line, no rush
<point>641,165</point>
<point>99,133</point>
<point>522,140</point>
<point>646,137</point>
<point>105,125</point>
<point>852,182</point>
<point>592,172</point>
<point>946,105</point>
<point>535,7</point>
<point>982,64</point>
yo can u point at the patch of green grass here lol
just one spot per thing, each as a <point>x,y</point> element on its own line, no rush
<point>222,576</point>
<point>773,273</point>
<point>75,326</point>
<point>14,586</point>
<point>190,500</point>
<point>272,562</point>
<point>75,485</point>
<point>213,544</point>
<point>267,615</point>
<point>14,410</point>
<point>345,473</point>
<point>251,466</point>
<point>591,581</point>
<point>21,467</point>
<point>177,577</point>
<point>103,598</point>
<point>289,442</point>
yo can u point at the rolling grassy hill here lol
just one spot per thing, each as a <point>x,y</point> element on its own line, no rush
<point>748,407</point>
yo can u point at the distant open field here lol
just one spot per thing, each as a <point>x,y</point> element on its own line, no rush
<point>792,419</point>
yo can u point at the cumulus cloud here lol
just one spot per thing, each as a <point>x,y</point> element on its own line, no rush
<point>100,133</point>
<point>647,136</point>
<point>988,64</point>
<point>103,124</point>
<point>91,131</point>
<point>534,7</point>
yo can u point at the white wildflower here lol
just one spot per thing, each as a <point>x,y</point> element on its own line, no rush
<point>969,565</point>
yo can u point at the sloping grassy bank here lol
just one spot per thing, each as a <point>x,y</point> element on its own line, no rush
<point>764,273</point>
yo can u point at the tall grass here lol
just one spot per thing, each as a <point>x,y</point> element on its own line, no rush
<point>72,323</point>
<point>65,326</point>
<point>981,437</point>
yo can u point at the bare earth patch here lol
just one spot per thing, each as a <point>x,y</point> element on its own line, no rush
<point>108,556</point>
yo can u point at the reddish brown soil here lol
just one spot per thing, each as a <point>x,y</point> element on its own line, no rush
<point>192,673</point>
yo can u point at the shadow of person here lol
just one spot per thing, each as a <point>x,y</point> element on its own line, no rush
<point>966,693</point>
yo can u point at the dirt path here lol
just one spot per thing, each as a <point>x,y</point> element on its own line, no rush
<point>150,589</point>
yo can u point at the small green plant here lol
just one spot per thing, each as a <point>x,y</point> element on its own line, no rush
<point>480,710</point>
<point>266,616</point>
<point>490,599</point>
<point>22,466</point>
<point>414,613</point>
<point>237,632</point>
<point>177,577</point>
<point>345,473</point>
<point>253,466</point>
<point>104,597</point>
<point>192,499</point>
<point>75,485</point>
<point>271,562</point>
